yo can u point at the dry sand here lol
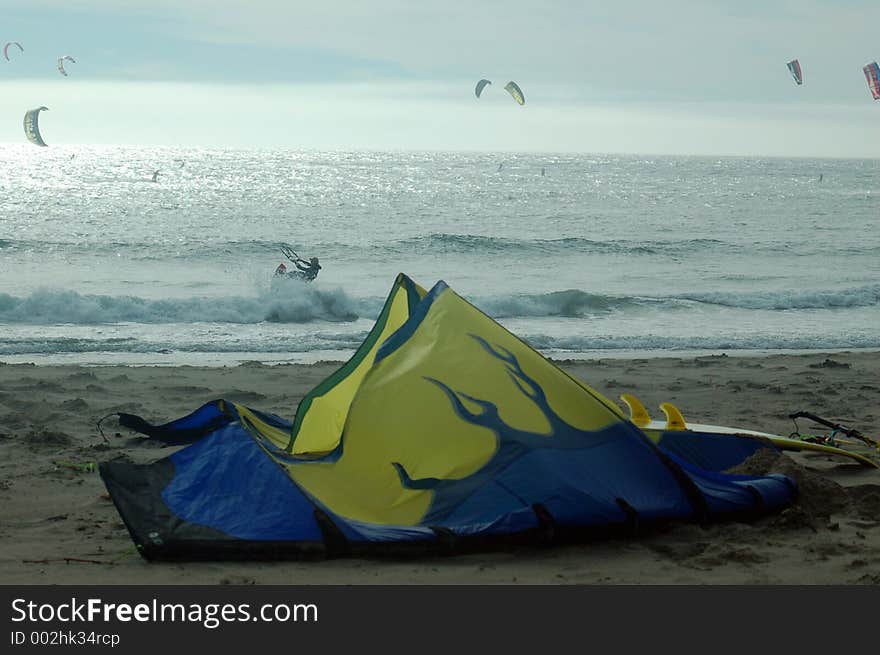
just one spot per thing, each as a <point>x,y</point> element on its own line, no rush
<point>50,511</point>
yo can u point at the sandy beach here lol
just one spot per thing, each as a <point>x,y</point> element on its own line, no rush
<point>57,525</point>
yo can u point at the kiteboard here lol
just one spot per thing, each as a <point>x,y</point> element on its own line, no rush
<point>675,422</point>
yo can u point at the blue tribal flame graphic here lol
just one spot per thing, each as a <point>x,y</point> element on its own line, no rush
<point>512,443</point>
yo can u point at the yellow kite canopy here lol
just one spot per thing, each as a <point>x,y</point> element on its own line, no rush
<point>443,427</point>
<point>321,415</point>
<point>410,416</point>
<point>32,126</point>
<point>513,89</point>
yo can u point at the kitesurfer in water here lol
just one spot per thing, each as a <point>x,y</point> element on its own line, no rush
<point>309,268</point>
<point>306,270</point>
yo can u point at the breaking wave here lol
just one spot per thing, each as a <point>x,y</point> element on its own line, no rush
<point>295,302</point>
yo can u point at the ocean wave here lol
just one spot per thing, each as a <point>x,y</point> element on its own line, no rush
<point>575,303</point>
<point>195,249</point>
<point>296,302</point>
<point>570,303</point>
<point>441,243</point>
<point>290,302</point>
<point>862,296</point>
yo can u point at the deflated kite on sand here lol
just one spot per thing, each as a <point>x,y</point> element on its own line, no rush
<point>444,431</point>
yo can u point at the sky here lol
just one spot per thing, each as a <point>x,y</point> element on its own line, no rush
<point>634,76</point>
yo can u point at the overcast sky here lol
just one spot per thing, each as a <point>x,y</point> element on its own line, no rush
<point>639,76</point>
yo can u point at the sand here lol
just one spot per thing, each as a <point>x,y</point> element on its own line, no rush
<point>52,508</point>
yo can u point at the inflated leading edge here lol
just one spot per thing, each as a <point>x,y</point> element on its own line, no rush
<point>443,430</point>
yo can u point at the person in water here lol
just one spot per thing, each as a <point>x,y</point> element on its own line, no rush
<point>309,268</point>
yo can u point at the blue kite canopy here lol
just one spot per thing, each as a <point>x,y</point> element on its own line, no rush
<point>443,430</point>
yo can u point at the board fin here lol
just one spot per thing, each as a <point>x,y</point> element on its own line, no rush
<point>637,412</point>
<point>674,419</point>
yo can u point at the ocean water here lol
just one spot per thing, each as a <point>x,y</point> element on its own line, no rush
<point>598,256</point>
